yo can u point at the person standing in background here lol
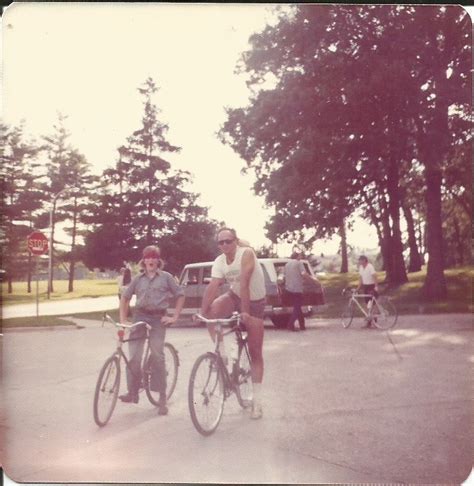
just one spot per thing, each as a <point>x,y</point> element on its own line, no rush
<point>120,282</point>
<point>368,283</point>
<point>295,274</point>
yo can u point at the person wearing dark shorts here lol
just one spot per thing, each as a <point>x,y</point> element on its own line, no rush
<point>367,283</point>
<point>238,266</point>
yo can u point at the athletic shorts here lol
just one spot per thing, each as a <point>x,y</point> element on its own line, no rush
<point>257,307</point>
<point>369,289</point>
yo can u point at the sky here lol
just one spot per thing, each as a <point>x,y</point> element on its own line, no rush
<point>87,61</point>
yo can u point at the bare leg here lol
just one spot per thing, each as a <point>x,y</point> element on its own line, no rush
<point>222,307</point>
<point>255,332</point>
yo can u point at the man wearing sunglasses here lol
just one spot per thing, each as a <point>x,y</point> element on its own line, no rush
<point>153,289</point>
<point>239,267</point>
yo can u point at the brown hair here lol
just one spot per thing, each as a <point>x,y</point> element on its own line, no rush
<point>151,249</point>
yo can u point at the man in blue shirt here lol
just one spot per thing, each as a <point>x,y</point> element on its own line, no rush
<point>153,289</point>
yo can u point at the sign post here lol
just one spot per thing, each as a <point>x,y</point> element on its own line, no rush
<point>37,244</point>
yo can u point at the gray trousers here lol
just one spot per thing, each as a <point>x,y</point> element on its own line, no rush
<point>136,347</point>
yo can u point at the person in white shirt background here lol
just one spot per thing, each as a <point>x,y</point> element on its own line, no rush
<point>367,282</point>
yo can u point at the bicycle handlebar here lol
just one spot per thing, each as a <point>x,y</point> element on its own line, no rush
<point>355,294</point>
<point>124,326</point>
<point>235,317</point>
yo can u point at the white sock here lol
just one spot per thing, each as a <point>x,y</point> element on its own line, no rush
<point>257,390</point>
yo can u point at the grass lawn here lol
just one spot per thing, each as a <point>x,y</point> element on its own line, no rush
<point>407,298</point>
<point>82,288</point>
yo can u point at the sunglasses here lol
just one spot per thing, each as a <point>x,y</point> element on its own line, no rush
<point>225,242</point>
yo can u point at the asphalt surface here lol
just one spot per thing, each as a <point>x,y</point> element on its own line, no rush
<point>340,406</point>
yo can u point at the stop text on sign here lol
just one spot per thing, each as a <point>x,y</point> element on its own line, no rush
<point>37,243</point>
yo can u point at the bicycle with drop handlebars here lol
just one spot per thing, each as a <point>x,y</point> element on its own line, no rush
<point>380,310</point>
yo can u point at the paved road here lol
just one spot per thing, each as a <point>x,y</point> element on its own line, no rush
<point>340,406</point>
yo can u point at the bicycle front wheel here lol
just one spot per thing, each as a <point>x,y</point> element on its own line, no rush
<point>384,313</point>
<point>106,391</point>
<point>171,367</point>
<point>347,315</point>
<point>242,377</point>
<point>206,394</point>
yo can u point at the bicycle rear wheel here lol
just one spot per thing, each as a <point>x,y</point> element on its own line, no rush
<point>384,313</point>
<point>206,394</point>
<point>347,315</point>
<point>242,377</point>
<point>171,367</point>
<point>106,391</point>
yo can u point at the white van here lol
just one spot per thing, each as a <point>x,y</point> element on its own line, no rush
<point>195,277</point>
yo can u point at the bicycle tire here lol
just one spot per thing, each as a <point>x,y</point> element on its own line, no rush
<point>242,377</point>
<point>106,390</point>
<point>347,315</point>
<point>384,313</point>
<point>171,366</point>
<point>206,385</point>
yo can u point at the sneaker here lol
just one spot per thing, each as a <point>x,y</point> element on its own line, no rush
<point>129,397</point>
<point>257,412</point>
<point>162,409</point>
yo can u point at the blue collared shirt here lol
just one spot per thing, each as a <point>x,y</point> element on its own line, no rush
<point>153,294</point>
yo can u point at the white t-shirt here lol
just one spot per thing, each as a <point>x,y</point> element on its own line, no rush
<point>367,274</point>
<point>231,273</point>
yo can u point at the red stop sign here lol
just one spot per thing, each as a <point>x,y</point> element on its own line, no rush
<point>37,243</point>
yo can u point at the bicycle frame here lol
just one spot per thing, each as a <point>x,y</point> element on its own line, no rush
<point>120,339</point>
<point>354,298</point>
<point>229,385</point>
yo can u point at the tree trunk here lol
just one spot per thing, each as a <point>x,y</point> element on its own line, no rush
<point>73,248</point>
<point>51,277</point>
<point>414,264</point>
<point>385,246</point>
<point>458,241</point>
<point>344,258</point>
<point>10,285</point>
<point>434,287</point>
<point>397,275</point>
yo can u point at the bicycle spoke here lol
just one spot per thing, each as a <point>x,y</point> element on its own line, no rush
<point>106,391</point>
<point>385,314</point>
<point>206,394</point>
<point>242,377</point>
<point>347,315</point>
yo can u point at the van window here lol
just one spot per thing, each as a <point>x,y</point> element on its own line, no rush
<point>280,270</point>
<point>190,277</point>
<point>265,275</point>
<point>206,275</point>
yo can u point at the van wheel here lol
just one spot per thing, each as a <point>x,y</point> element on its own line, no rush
<point>280,322</point>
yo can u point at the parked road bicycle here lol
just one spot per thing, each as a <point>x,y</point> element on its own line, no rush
<point>213,380</point>
<point>380,310</point>
<point>108,383</point>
